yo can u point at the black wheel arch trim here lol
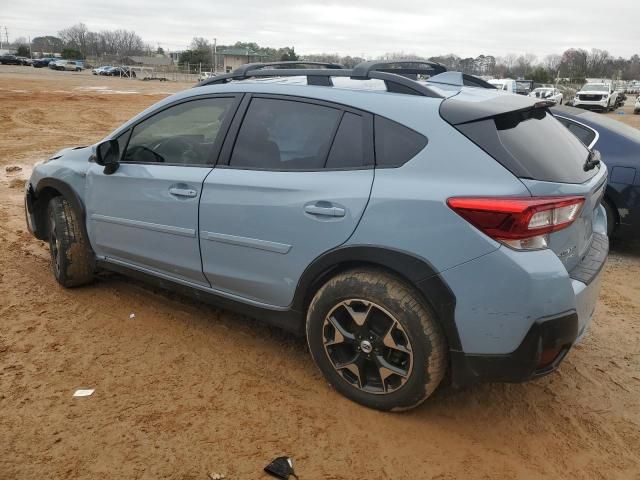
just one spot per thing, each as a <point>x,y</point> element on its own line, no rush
<point>69,194</point>
<point>416,271</point>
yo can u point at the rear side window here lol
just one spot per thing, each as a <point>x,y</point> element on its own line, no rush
<point>285,135</point>
<point>348,149</point>
<point>586,135</point>
<point>532,144</point>
<point>395,143</point>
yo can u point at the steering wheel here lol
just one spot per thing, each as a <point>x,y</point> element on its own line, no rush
<point>139,152</point>
<point>176,150</point>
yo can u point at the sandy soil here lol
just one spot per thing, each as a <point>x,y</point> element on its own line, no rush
<point>184,389</point>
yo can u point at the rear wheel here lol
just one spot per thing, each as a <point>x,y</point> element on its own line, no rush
<point>71,256</point>
<point>375,341</point>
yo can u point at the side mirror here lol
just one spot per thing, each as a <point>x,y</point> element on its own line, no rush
<point>108,155</point>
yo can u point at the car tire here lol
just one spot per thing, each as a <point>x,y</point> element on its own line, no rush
<point>611,217</point>
<point>72,260</point>
<point>375,340</point>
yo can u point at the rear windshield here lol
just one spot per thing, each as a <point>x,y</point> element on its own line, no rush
<point>532,144</point>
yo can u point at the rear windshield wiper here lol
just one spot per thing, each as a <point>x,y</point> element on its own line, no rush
<point>593,160</point>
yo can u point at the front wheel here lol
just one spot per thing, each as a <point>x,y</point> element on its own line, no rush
<point>375,341</point>
<point>71,256</point>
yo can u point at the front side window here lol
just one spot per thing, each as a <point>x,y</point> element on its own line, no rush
<point>285,135</point>
<point>183,134</point>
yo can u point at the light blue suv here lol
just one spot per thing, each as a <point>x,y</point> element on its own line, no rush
<point>412,229</point>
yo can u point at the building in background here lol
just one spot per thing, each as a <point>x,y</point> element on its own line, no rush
<point>231,58</point>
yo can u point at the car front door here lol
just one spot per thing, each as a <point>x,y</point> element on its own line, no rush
<point>293,185</point>
<point>145,215</point>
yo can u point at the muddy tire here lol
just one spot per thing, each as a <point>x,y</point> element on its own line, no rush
<point>611,217</point>
<point>375,340</point>
<point>71,256</point>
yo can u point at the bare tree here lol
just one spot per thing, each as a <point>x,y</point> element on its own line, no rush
<point>200,43</point>
<point>552,63</point>
<point>597,61</point>
<point>75,37</point>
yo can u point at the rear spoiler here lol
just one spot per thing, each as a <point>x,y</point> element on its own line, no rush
<point>471,105</point>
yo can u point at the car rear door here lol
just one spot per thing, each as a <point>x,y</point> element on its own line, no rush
<point>145,215</point>
<point>293,182</point>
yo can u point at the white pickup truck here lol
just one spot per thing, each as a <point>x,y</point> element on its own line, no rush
<point>596,96</point>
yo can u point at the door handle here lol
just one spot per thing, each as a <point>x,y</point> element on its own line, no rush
<point>327,210</point>
<point>183,192</point>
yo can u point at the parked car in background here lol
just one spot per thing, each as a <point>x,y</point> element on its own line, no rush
<point>101,70</point>
<point>619,146</point>
<point>596,96</point>
<point>550,94</point>
<point>67,65</point>
<point>506,84</point>
<point>524,87</point>
<point>27,62</point>
<point>127,72</point>
<point>42,62</point>
<point>413,232</point>
<point>205,75</point>
<point>10,60</point>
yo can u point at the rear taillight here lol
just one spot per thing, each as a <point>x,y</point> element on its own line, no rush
<point>523,223</point>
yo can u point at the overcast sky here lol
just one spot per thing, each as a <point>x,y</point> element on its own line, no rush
<point>467,28</point>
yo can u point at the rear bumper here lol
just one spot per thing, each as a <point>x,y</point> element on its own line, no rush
<point>555,334</point>
<point>548,339</point>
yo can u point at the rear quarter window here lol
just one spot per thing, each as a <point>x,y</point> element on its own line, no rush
<point>395,144</point>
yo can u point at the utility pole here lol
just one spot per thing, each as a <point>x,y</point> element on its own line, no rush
<point>6,35</point>
<point>215,56</point>
<point>0,37</point>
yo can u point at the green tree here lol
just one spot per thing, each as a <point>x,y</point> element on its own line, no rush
<point>71,54</point>
<point>540,75</point>
<point>23,51</point>
<point>288,54</point>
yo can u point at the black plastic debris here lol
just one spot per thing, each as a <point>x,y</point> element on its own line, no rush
<point>281,467</point>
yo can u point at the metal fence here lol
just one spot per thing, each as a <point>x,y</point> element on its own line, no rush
<point>187,72</point>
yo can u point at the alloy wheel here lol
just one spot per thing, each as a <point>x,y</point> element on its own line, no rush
<point>367,346</point>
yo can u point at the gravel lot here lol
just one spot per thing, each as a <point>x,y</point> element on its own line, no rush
<point>184,389</point>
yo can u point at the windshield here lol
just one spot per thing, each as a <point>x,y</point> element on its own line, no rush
<point>595,88</point>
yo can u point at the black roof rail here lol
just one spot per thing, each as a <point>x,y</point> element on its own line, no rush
<point>364,69</point>
<point>322,76</point>
<point>243,69</point>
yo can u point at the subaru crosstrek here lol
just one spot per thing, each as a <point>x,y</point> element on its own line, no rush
<point>411,229</point>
